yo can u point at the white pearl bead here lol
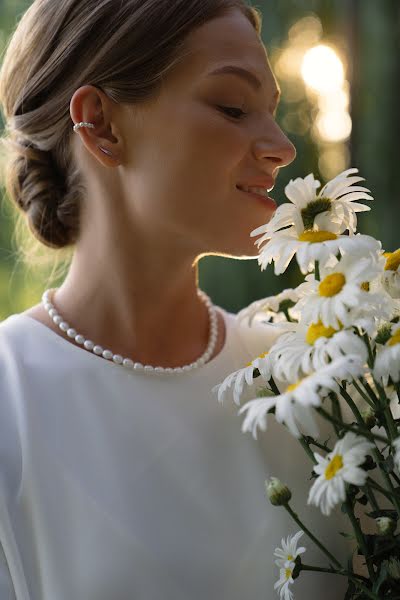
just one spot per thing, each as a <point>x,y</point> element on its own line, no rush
<point>127,362</point>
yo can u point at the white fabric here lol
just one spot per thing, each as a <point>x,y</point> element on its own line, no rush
<point>116,485</point>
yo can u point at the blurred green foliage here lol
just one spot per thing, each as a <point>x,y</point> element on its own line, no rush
<point>368,31</point>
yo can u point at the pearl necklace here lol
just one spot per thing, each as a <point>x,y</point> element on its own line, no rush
<point>127,362</point>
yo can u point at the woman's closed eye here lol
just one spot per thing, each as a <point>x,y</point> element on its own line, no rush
<point>230,109</point>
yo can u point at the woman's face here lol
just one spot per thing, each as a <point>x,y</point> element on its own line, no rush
<point>185,155</point>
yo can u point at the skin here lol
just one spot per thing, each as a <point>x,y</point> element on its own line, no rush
<point>168,196</point>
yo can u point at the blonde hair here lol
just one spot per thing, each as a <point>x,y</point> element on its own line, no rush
<point>123,48</point>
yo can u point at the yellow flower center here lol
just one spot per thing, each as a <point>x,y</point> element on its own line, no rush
<point>392,260</point>
<point>290,557</point>
<point>331,284</point>
<point>263,355</point>
<point>288,573</point>
<point>334,466</point>
<point>293,386</point>
<point>395,339</point>
<point>317,330</point>
<point>317,236</point>
<point>365,286</point>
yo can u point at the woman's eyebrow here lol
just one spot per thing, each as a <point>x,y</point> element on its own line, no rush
<point>241,72</point>
<point>244,74</point>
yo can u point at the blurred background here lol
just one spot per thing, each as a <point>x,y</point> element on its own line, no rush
<point>338,65</point>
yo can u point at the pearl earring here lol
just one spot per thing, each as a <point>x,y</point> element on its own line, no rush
<point>79,125</point>
<point>91,126</point>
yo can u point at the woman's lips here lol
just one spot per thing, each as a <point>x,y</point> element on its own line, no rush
<point>266,200</point>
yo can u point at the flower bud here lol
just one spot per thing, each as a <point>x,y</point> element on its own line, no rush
<point>385,525</point>
<point>393,566</point>
<point>384,333</point>
<point>369,418</point>
<point>277,492</point>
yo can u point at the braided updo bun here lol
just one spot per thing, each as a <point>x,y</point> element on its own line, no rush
<point>124,48</point>
<point>44,191</point>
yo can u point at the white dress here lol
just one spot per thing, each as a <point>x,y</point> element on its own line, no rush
<point>117,485</point>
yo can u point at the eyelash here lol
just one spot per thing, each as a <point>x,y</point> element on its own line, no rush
<point>226,109</point>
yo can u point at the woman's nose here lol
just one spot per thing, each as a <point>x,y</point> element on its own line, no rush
<point>276,147</point>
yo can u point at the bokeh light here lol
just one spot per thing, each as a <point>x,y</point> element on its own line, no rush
<point>333,160</point>
<point>322,69</point>
<point>334,125</point>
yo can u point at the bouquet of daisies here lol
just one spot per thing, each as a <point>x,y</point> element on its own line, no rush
<point>339,346</point>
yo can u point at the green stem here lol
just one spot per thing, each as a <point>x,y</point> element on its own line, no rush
<point>369,434</point>
<point>370,354</point>
<point>316,271</point>
<point>354,408</point>
<point>367,489</point>
<point>391,426</point>
<point>370,391</point>
<point>395,499</point>
<point>312,537</point>
<point>360,538</point>
<point>274,387</point>
<point>305,444</point>
<point>312,442</point>
<point>351,576</point>
<point>397,386</point>
<point>336,410</point>
<point>363,395</point>
<point>379,488</point>
<point>304,567</point>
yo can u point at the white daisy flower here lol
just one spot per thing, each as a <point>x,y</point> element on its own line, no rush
<point>391,274</point>
<point>282,585</point>
<point>310,347</point>
<point>396,457</point>
<point>332,209</point>
<point>294,406</point>
<point>309,246</point>
<point>387,360</point>
<point>270,307</point>
<point>340,466</point>
<point>244,376</point>
<point>287,555</point>
<point>341,289</point>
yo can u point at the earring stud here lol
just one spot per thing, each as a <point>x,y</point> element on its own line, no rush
<point>83,124</point>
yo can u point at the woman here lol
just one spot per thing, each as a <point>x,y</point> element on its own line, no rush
<point>118,480</point>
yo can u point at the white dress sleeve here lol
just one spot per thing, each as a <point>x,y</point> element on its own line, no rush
<point>7,591</point>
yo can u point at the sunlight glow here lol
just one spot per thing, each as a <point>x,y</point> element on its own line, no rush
<point>322,69</point>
